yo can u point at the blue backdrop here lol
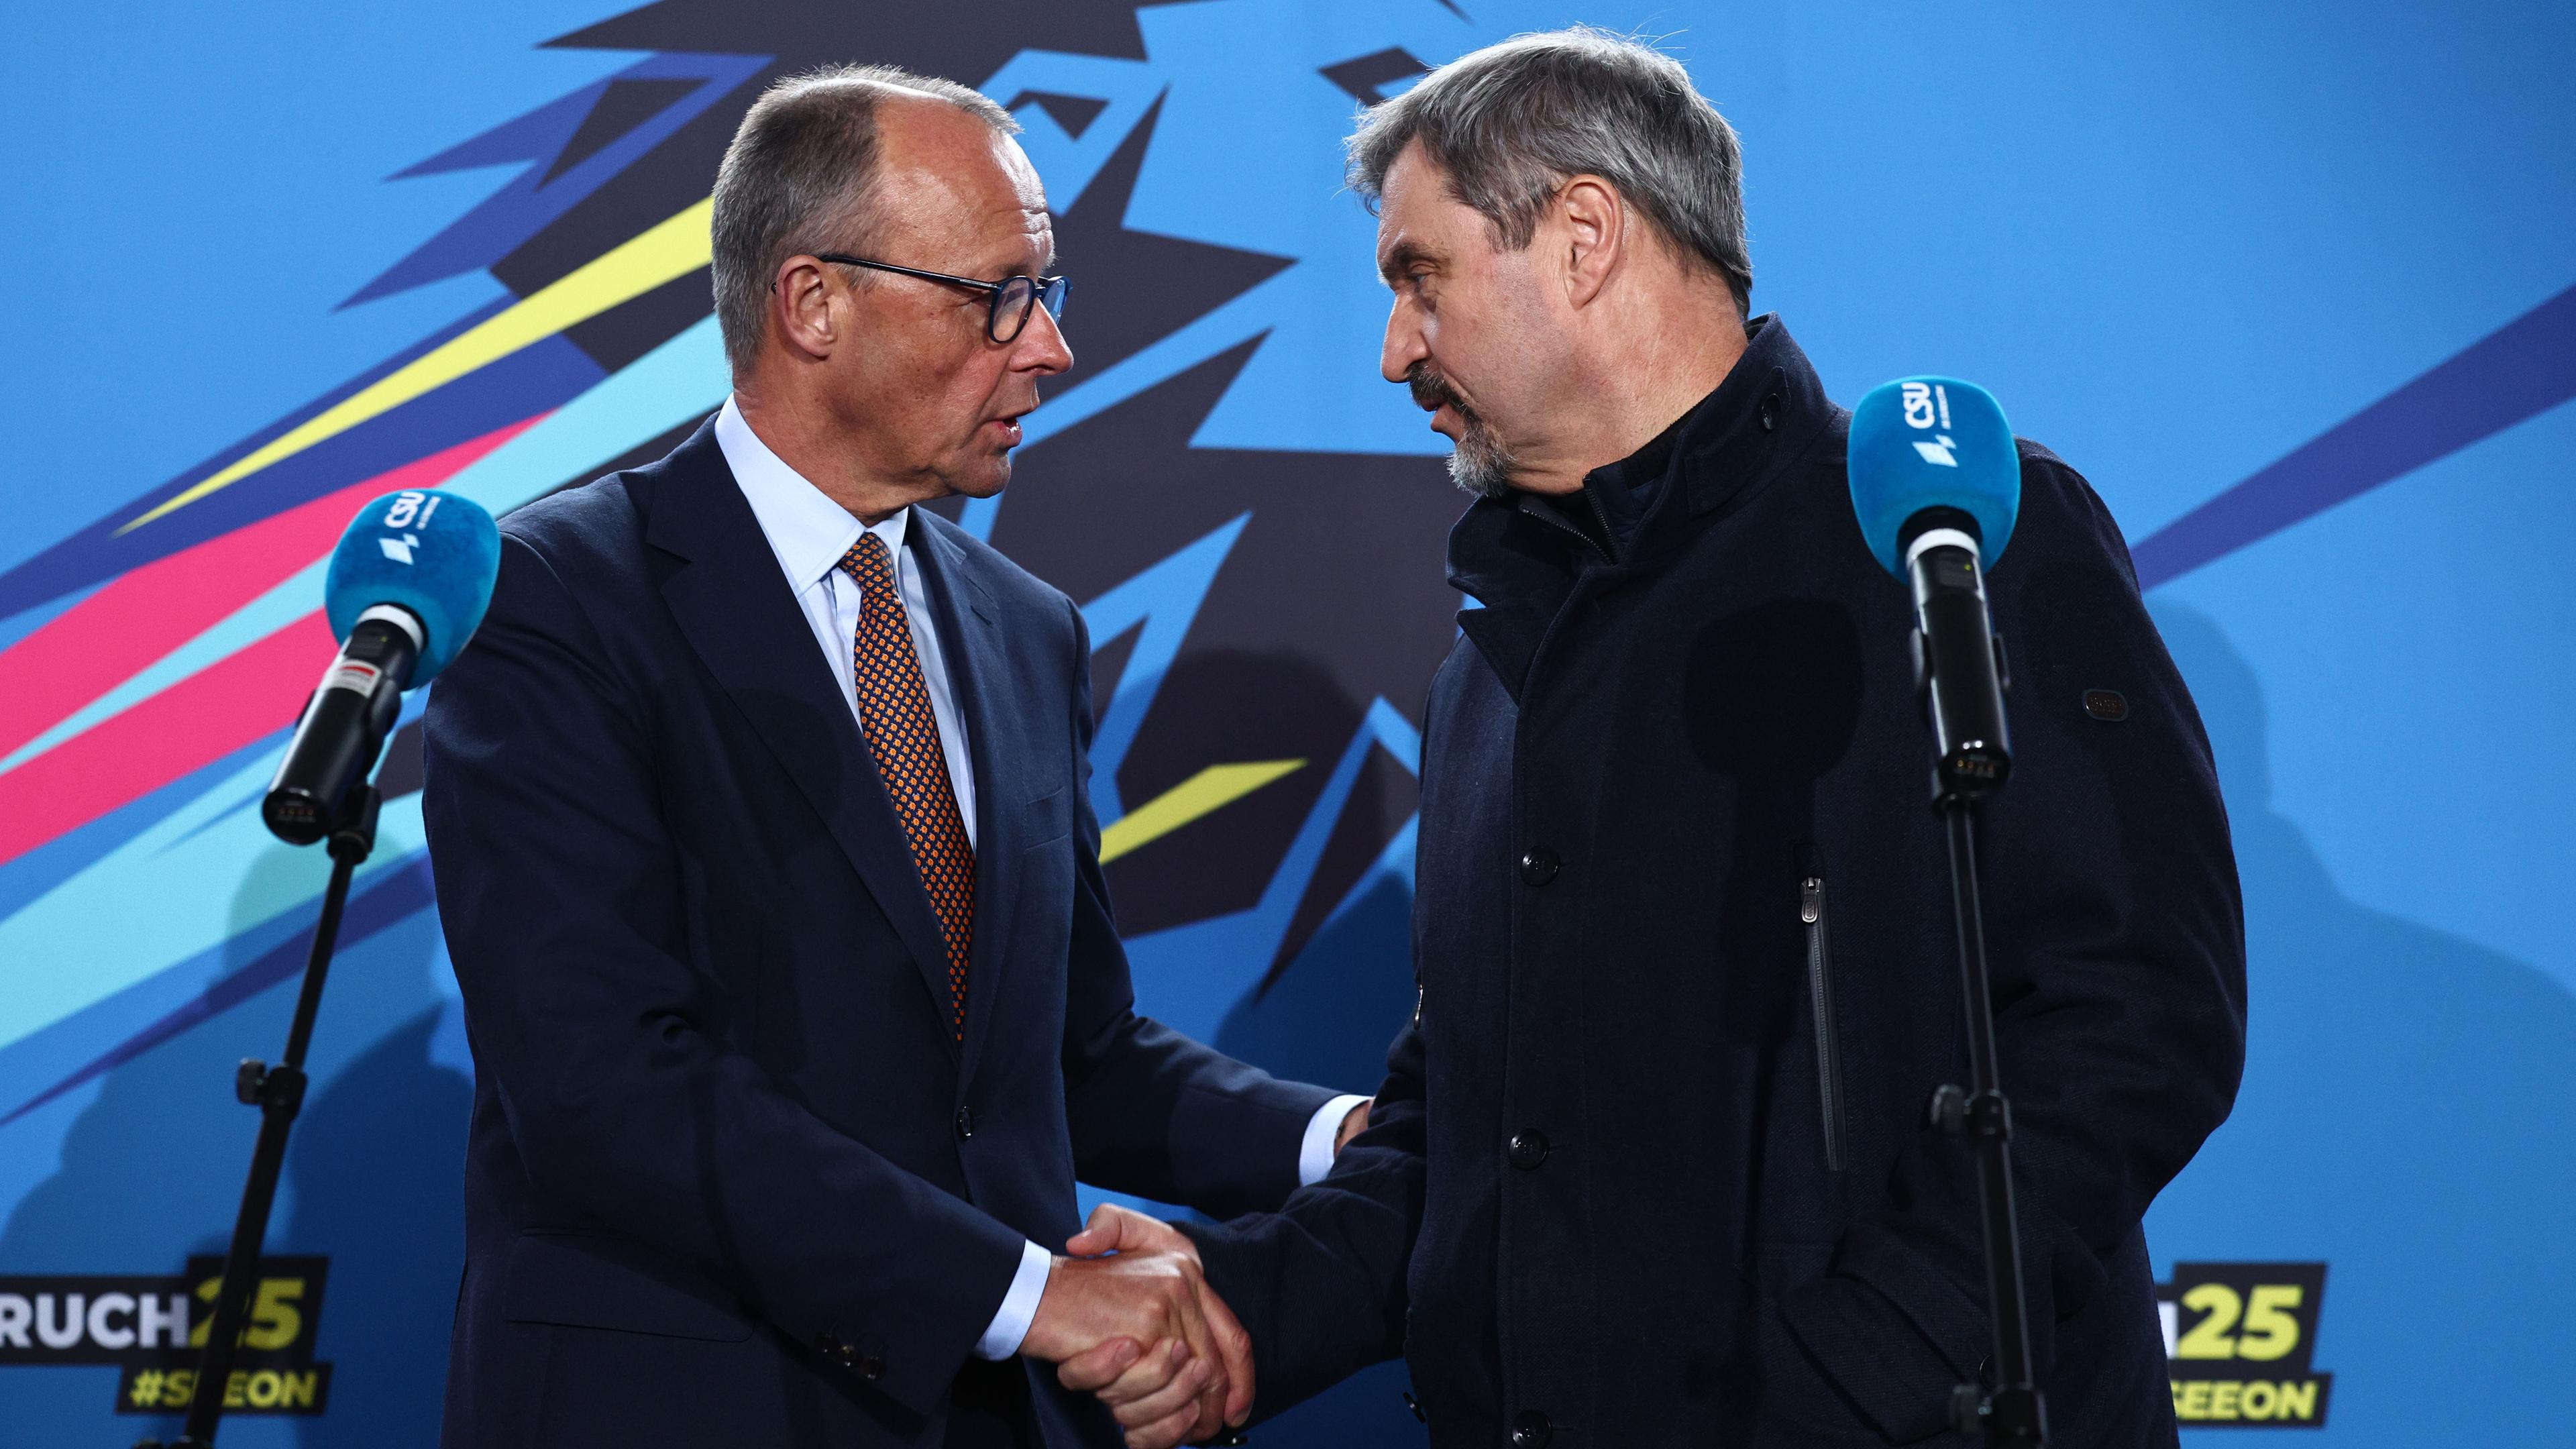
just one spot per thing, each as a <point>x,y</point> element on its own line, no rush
<point>2294,285</point>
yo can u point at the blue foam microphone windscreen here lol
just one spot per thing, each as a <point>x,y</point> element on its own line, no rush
<point>430,553</point>
<point>1932,442</point>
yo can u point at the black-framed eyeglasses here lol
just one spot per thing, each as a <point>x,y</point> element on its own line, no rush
<point>1013,298</point>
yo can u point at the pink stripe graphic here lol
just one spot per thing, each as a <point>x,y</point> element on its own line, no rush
<point>145,613</point>
<point>189,725</point>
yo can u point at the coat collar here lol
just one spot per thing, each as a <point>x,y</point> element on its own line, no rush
<point>1521,563</point>
<point>808,532</point>
<point>733,603</point>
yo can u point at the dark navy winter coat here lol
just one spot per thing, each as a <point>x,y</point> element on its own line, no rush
<point>1648,1165</point>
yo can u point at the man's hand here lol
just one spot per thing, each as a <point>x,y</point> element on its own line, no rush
<point>1354,1122</point>
<point>1163,1391</point>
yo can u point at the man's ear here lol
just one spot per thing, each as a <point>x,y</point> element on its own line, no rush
<point>800,307</point>
<point>1595,223</point>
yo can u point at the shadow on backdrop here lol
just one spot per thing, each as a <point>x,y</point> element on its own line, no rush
<point>376,1168</point>
<point>2404,1117</point>
<point>152,1172</point>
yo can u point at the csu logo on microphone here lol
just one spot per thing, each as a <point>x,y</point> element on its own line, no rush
<point>1928,403</point>
<point>409,510</point>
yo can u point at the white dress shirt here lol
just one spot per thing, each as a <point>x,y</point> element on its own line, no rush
<point>809,533</point>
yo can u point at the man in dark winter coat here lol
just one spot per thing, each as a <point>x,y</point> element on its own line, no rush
<point>1648,1167</point>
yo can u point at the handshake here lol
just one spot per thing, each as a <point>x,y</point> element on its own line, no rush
<point>1128,1316</point>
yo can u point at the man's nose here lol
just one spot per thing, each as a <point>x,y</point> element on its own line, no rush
<point>1404,344</point>
<point>1041,346</point>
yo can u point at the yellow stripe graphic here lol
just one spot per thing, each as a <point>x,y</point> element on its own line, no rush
<point>1210,789</point>
<point>672,249</point>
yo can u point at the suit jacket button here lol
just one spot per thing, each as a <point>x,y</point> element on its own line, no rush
<point>1531,1430</point>
<point>1540,866</point>
<point>826,1345</point>
<point>965,1121</point>
<point>871,1367</point>
<point>1528,1148</point>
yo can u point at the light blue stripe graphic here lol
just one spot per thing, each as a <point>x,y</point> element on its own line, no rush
<point>1165,600</point>
<point>206,876</point>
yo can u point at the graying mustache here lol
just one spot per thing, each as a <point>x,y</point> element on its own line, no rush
<point>1430,390</point>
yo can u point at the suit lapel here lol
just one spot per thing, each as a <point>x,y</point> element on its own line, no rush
<point>978,678</point>
<point>738,614</point>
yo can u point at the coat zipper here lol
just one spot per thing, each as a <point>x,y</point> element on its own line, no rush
<point>1820,992</point>
<point>1549,517</point>
<point>1600,520</point>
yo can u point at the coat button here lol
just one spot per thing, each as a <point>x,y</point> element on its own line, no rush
<point>965,1121</point>
<point>1528,1148</point>
<point>1770,412</point>
<point>870,1367</point>
<point>1540,866</point>
<point>1531,1430</point>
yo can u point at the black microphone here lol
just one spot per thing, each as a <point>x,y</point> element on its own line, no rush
<point>345,725</point>
<point>1958,658</point>
<point>1936,483</point>
<point>407,586</point>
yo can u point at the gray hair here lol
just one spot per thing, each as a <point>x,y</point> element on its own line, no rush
<point>799,177</point>
<point>1512,122</point>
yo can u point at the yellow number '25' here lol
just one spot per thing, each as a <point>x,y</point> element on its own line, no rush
<point>2271,1325</point>
<point>274,1318</point>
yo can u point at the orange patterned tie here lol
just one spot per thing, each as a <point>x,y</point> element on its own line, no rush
<point>894,709</point>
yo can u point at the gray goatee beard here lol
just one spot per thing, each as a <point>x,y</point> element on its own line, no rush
<point>1480,462</point>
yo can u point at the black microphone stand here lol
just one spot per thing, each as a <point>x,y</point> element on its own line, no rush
<point>1963,678</point>
<point>2013,1415</point>
<point>278,1093</point>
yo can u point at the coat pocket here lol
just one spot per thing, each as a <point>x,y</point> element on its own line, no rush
<point>1820,1002</point>
<point>1049,817</point>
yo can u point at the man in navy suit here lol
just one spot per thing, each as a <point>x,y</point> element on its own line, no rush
<point>759,816</point>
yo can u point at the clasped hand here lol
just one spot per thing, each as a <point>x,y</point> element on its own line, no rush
<point>1141,1328</point>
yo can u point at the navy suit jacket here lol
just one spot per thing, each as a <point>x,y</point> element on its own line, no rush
<point>731,1179</point>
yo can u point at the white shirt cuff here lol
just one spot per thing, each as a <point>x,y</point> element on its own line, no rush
<point>1315,1154</point>
<point>1019,1306</point>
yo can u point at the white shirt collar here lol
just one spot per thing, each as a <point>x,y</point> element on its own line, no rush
<point>806,530</point>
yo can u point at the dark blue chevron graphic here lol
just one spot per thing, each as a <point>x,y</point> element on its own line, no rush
<point>2517,372</point>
